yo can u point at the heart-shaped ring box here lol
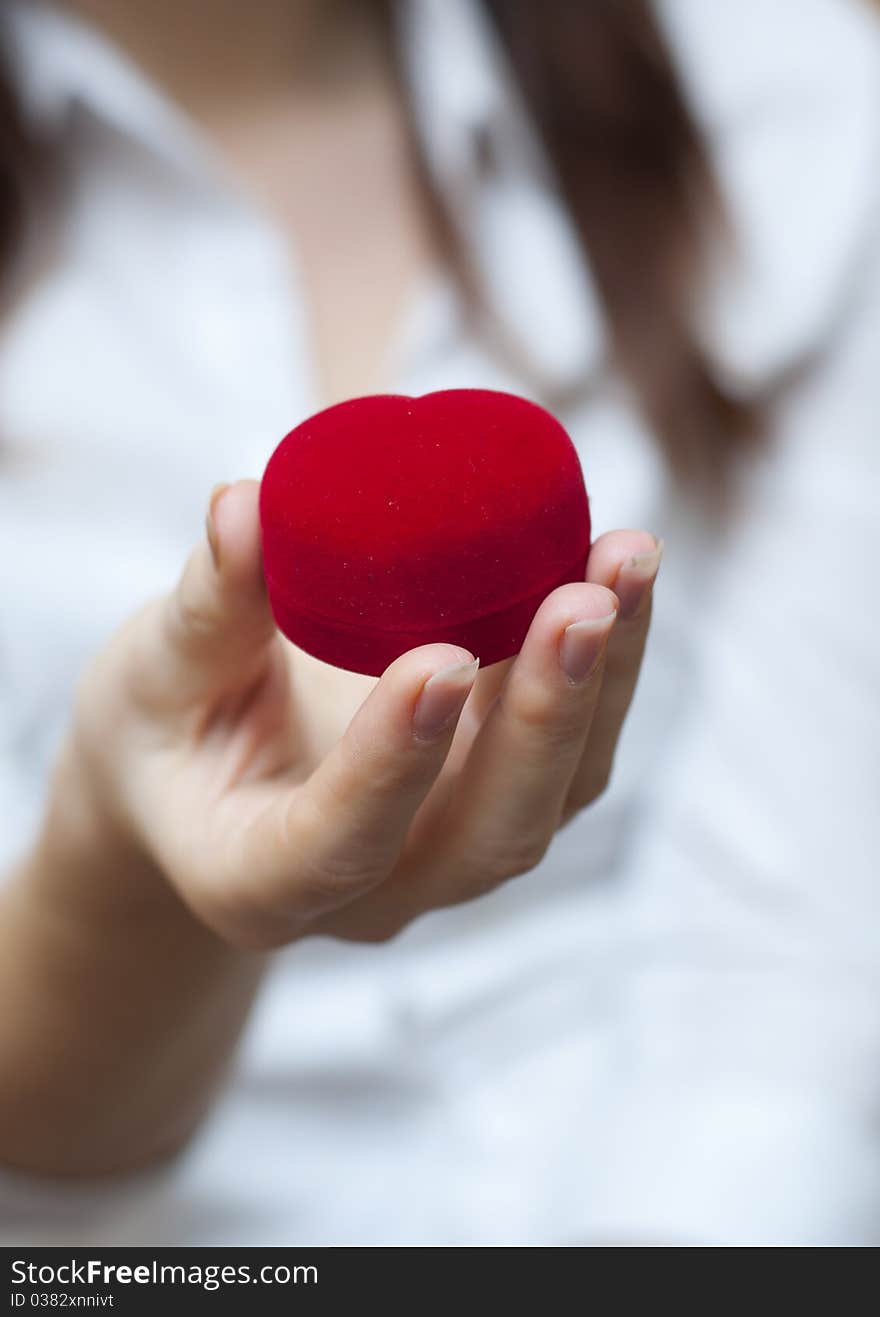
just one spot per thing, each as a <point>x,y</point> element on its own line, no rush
<point>390,522</point>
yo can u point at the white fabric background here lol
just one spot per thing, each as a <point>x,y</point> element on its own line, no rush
<point>671,1029</point>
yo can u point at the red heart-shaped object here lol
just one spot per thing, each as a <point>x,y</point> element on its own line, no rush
<point>389,522</point>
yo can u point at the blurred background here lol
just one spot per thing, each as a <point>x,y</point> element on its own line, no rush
<point>660,219</point>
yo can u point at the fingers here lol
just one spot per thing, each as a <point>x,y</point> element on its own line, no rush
<point>341,833</point>
<point>627,563</point>
<point>512,788</point>
<point>214,629</point>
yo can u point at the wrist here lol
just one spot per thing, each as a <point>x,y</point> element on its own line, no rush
<point>112,978</point>
<point>85,853</point>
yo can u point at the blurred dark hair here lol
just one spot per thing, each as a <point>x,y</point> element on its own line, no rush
<point>633,169</point>
<point>16,167</point>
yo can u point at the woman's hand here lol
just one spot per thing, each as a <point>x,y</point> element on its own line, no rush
<point>222,793</point>
<point>280,797</point>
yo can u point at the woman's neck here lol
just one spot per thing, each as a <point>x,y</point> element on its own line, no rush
<point>302,101</point>
<point>220,57</point>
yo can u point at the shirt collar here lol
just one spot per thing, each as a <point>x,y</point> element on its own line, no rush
<point>510,215</point>
<point>64,65</point>
<point>534,278</point>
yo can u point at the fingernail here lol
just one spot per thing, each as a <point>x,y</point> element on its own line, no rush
<point>210,527</point>
<point>635,579</point>
<point>582,644</point>
<point>442,699</point>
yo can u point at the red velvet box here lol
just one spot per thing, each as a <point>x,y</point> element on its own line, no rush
<point>390,522</point>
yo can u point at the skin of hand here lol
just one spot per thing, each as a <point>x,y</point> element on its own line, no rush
<point>221,794</point>
<point>283,798</point>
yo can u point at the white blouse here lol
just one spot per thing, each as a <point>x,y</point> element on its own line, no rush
<point>671,1029</point>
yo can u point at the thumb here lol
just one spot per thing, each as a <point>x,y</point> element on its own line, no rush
<point>211,635</point>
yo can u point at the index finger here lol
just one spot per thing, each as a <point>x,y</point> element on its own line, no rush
<point>318,847</point>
